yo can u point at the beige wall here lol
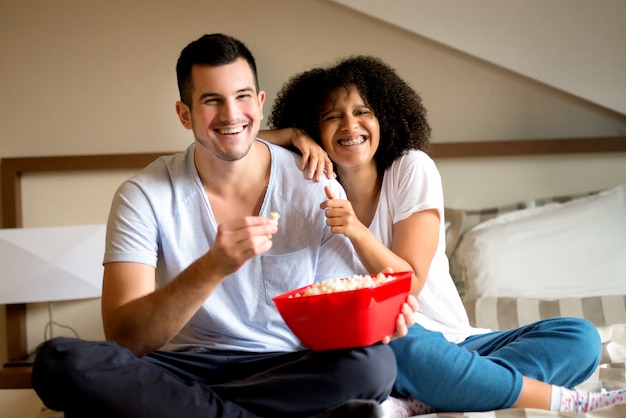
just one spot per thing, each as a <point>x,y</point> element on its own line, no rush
<point>98,77</point>
<point>573,45</point>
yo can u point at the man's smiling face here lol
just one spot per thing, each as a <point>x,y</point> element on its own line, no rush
<point>226,110</point>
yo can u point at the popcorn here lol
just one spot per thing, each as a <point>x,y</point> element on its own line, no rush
<point>341,285</point>
<point>274,217</point>
<point>274,220</point>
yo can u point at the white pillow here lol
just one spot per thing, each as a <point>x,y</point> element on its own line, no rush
<point>572,249</point>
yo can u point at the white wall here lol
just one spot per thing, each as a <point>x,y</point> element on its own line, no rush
<point>574,45</point>
<point>98,77</point>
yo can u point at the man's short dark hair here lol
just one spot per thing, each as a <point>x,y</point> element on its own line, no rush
<point>214,50</point>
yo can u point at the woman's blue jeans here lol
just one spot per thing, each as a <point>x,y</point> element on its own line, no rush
<point>485,371</point>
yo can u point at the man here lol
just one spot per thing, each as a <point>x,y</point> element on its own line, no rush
<point>192,261</point>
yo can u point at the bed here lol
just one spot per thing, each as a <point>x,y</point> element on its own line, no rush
<point>477,243</point>
<point>562,255</point>
<point>552,246</point>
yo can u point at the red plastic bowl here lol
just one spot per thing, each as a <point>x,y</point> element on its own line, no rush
<point>352,318</point>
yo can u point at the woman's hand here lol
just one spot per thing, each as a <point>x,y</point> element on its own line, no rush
<point>405,319</point>
<point>313,155</point>
<point>340,215</point>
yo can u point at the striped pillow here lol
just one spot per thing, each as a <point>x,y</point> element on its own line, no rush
<point>507,312</point>
<point>607,313</point>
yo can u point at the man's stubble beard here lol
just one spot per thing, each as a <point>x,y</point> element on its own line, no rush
<point>222,155</point>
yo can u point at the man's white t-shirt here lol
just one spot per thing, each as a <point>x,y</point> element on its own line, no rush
<point>162,217</point>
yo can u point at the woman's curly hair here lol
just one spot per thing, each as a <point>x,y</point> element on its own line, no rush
<point>398,108</point>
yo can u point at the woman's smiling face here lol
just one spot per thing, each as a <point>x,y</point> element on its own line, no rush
<point>349,130</point>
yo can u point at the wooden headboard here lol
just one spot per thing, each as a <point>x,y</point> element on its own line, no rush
<point>13,168</point>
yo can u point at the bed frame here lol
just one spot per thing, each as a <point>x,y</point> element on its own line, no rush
<point>17,375</point>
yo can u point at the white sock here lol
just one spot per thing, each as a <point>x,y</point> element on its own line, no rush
<point>571,400</point>
<point>555,399</point>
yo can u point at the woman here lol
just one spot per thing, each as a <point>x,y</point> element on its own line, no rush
<point>373,127</point>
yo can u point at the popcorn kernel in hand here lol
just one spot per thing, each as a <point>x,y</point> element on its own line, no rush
<point>274,220</point>
<point>274,217</point>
